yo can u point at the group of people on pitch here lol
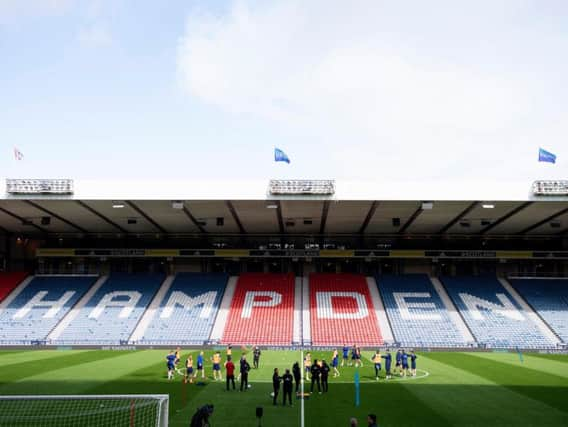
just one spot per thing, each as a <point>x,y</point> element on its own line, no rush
<point>174,357</point>
<point>401,363</point>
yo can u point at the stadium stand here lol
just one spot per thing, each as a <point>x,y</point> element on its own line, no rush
<point>114,310</point>
<point>9,281</point>
<point>262,310</point>
<point>416,313</point>
<point>492,315</point>
<point>549,298</point>
<point>341,311</point>
<point>39,307</point>
<point>188,310</point>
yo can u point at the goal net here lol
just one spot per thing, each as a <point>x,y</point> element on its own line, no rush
<point>137,410</point>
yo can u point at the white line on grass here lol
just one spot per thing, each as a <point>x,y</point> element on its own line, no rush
<point>302,390</point>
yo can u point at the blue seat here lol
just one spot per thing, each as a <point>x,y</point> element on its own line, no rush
<point>108,326</point>
<point>17,327</point>
<point>549,298</point>
<point>493,316</point>
<point>175,323</point>
<point>416,312</point>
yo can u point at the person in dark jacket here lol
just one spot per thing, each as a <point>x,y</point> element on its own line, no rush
<point>324,376</point>
<point>201,417</point>
<point>275,385</point>
<point>315,371</point>
<point>297,375</point>
<point>256,357</point>
<point>245,368</point>
<point>287,384</point>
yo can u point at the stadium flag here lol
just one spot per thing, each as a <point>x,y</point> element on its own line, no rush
<point>357,389</point>
<point>18,155</point>
<point>280,156</point>
<point>546,156</point>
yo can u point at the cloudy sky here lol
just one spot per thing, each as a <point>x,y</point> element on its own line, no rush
<point>368,89</point>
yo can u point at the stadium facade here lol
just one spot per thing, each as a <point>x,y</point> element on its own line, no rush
<point>311,262</point>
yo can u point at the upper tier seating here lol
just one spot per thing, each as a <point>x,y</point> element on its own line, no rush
<point>40,306</point>
<point>113,312</point>
<point>342,311</point>
<point>262,310</point>
<point>188,310</point>
<point>416,312</point>
<point>550,300</point>
<point>9,281</point>
<point>493,316</point>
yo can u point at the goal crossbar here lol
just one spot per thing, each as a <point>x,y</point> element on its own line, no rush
<point>130,410</point>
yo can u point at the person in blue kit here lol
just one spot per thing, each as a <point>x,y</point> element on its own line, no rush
<point>398,365</point>
<point>388,362</point>
<point>345,355</point>
<point>171,363</point>
<point>200,361</point>
<point>353,355</point>
<point>404,361</point>
<point>413,358</point>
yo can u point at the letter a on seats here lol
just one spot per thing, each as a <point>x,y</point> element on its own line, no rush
<point>127,301</point>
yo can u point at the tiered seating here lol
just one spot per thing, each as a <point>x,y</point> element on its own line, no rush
<point>342,311</point>
<point>550,300</point>
<point>492,315</point>
<point>188,310</point>
<point>416,313</point>
<point>105,320</point>
<point>9,281</point>
<point>32,314</point>
<point>262,310</point>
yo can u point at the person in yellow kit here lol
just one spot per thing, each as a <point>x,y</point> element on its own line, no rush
<point>217,366</point>
<point>307,365</point>
<point>188,369</point>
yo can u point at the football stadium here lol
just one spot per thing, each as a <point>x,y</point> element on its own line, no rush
<point>422,311</point>
<point>283,213</point>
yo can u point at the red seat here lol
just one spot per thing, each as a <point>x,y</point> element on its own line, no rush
<point>262,310</point>
<point>9,281</point>
<point>343,312</point>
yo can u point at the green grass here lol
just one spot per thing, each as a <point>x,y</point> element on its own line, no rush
<point>475,389</point>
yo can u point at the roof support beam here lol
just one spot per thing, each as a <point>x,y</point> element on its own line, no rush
<point>544,221</point>
<point>408,223</point>
<point>458,218</point>
<point>235,216</point>
<point>146,216</point>
<point>194,220</point>
<point>54,215</point>
<point>23,220</point>
<point>324,212</point>
<point>505,217</point>
<point>369,217</point>
<point>101,216</point>
<point>279,216</point>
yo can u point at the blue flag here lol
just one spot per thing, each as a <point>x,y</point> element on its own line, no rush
<point>357,389</point>
<point>546,156</point>
<point>280,156</point>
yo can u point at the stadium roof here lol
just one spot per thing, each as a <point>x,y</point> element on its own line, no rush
<point>246,207</point>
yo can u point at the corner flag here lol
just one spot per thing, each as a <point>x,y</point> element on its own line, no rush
<point>280,156</point>
<point>546,156</point>
<point>357,388</point>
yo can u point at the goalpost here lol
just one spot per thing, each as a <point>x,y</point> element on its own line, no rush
<point>129,410</point>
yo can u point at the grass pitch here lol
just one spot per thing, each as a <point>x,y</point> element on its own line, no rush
<point>474,389</point>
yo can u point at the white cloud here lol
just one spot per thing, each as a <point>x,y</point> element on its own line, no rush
<point>96,35</point>
<point>382,84</point>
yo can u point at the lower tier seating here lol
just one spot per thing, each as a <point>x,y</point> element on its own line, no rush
<point>342,311</point>
<point>493,316</point>
<point>416,313</point>
<point>549,298</point>
<point>262,310</point>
